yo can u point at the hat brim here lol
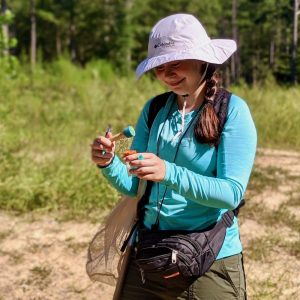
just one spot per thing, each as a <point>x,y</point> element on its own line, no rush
<point>217,51</point>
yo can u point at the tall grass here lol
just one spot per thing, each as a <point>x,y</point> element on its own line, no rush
<point>276,111</point>
<point>48,121</point>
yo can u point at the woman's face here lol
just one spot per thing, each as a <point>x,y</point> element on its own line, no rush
<point>180,76</point>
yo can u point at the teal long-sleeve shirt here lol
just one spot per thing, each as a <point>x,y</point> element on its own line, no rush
<point>201,182</point>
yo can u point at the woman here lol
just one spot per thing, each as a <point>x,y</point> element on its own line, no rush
<point>198,173</point>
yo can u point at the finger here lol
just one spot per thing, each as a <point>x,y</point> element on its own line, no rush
<point>104,141</point>
<point>97,147</point>
<point>149,174</point>
<point>151,177</point>
<point>139,156</point>
<point>100,161</point>
<point>142,163</point>
<point>97,141</point>
<point>143,171</point>
<point>110,135</point>
<point>103,146</point>
<point>101,154</point>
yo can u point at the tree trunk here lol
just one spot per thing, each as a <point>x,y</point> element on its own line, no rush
<point>294,43</point>
<point>72,34</point>
<point>33,35</point>
<point>128,6</point>
<point>272,54</point>
<point>58,43</point>
<point>5,31</point>
<point>226,78</point>
<point>72,41</point>
<point>235,37</point>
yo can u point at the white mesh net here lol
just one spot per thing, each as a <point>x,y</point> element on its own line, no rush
<point>105,262</point>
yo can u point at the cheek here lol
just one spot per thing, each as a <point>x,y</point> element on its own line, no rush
<point>159,75</point>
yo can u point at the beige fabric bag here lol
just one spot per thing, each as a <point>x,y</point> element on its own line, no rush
<point>105,262</point>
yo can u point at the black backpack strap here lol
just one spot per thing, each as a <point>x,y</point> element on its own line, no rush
<point>143,202</point>
<point>237,209</point>
<point>156,104</point>
<point>221,104</point>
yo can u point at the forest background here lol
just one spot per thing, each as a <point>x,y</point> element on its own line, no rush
<point>67,71</point>
<point>117,31</point>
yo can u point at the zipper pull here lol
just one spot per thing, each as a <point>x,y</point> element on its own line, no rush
<point>142,275</point>
<point>174,256</point>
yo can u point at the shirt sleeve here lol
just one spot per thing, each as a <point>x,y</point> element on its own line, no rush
<point>235,158</point>
<point>116,172</point>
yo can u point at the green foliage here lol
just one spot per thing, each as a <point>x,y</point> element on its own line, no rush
<point>117,30</point>
<point>100,69</point>
<point>8,63</point>
<point>276,114</point>
<point>6,18</point>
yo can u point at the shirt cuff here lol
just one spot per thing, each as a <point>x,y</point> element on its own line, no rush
<point>108,166</point>
<point>169,171</point>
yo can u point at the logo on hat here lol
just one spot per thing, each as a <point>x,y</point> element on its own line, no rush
<point>165,43</point>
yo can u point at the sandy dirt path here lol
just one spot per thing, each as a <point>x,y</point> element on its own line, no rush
<point>44,258</point>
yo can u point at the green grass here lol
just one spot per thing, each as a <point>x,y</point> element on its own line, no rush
<point>48,122</point>
<point>40,276</point>
<point>259,249</point>
<point>276,113</point>
<point>260,178</point>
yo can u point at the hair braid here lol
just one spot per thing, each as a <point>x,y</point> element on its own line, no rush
<point>207,125</point>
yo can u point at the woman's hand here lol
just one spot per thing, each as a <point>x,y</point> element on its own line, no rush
<point>103,150</point>
<point>148,166</point>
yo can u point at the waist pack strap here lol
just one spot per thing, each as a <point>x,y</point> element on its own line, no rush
<point>237,209</point>
<point>225,222</point>
<point>227,218</point>
<point>215,237</point>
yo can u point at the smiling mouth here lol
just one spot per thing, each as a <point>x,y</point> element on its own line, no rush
<point>175,83</point>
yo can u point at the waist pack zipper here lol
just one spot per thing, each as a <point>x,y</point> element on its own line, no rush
<point>142,275</point>
<point>174,256</point>
<point>189,245</point>
<point>187,261</point>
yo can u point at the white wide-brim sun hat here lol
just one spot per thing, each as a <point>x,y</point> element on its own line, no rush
<point>180,37</point>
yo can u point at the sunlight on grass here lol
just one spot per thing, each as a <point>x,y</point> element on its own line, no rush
<point>49,121</point>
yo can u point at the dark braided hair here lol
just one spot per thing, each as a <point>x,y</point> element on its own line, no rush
<point>206,128</point>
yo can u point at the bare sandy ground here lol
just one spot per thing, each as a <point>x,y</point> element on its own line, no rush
<point>44,258</point>
<point>276,274</point>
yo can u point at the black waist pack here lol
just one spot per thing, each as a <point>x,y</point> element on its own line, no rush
<point>168,254</point>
